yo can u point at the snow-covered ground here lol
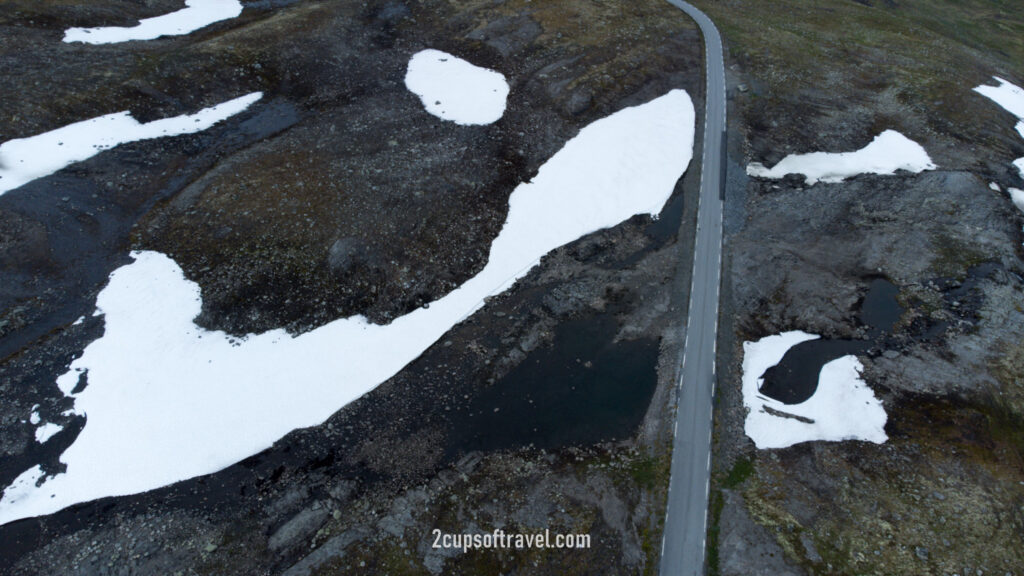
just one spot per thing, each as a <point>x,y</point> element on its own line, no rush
<point>1011,98</point>
<point>44,432</point>
<point>1017,197</point>
<point>25,159</point>
<point>1007,95</point>
<point>195,15</point>
<point>842,408</point>
<point>888,152</point>
<point>455,90</point>
<point>168,400</point>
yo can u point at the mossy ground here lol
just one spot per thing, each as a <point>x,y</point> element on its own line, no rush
<point>934,503</point>
<point>742,469</point>
<point>869,66</point>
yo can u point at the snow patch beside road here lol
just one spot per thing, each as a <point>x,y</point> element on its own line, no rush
<point>168,400</point>
<point>25,159</point>
<point>455,90</point>
<point>195,15</point>
<point>888,152</point>
<point>842,408</point>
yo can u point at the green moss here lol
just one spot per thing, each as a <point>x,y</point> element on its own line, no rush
<point>1005,427</point>
<point>918,298</point>
<point>645,471</point>
<point>652,551</point>
<point>767,510</point>
<point>742,469</point>
<point>714,532</point>
<point>948,469</point>
<point>953,257</point>
<point>836,554</point>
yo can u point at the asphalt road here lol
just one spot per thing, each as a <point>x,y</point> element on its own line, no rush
<point>686,515</point>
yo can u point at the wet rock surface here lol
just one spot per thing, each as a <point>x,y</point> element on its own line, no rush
<point>337,195</point>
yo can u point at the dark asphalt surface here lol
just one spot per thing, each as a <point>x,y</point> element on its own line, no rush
<point>686,514</point>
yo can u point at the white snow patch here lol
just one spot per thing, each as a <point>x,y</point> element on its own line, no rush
<point>44,432</point>
<point>888,152</point>
<point>994,187</point>
<point>1017,197</point>
<point>195,15</point>
<point>1007,95</point>
<point>69,380</point>
<point>842,408</point>
<point>24,487</point>
<point>79,321</point>
<point>169,400</point>
<point>1011,98</point>
<point>25,159</point>
<point>453,89</point>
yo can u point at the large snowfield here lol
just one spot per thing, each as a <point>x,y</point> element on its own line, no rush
<point>168,400</point>
<point>888,152</point>
<point>195,15</point>
<point>1011,98</point>
<point>455,90</point>
<point>842,408</point>
<point>25,159</point>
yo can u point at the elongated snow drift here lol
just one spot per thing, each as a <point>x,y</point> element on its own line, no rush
<point>195,15</point>
<point>25,159</point>
<point>888,152</point>
<point>168,400</point>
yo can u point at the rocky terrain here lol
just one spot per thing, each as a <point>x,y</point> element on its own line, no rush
<point>339,195</point>
<point>945,494</point>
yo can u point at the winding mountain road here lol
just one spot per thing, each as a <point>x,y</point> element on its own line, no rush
<point>686,514</point>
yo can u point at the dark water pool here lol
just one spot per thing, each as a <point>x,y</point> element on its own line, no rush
<point>581,389</point>
<point>795,378</point>
<point>880,310</point>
